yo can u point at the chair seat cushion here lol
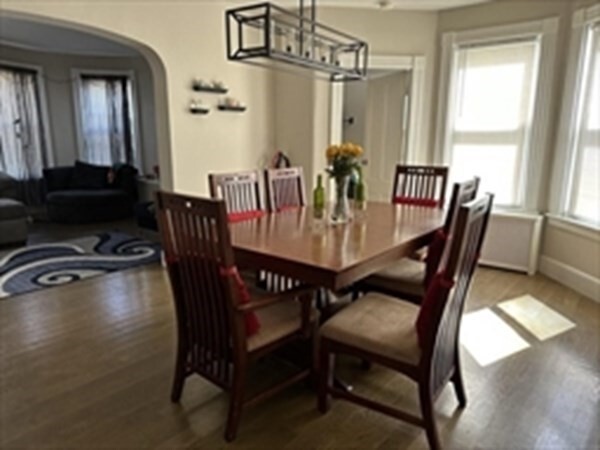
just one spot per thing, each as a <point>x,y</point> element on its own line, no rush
<point>87,197</point>
<point>403,277</point>
<point>11,209</point>
<point>277,321</point>
<point>377,324</point>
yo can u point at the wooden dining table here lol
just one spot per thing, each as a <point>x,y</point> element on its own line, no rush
<point>333,256</point>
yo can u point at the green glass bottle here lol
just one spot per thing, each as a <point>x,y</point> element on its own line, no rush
<point>360,192</point>
<point>319,199</point>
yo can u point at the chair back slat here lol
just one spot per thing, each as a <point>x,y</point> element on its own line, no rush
<point>457,268</point>
<point>197,247</point>
<point>285,188</point>
<point>239,190</point>
<point>426,184</point>
<point>461,193</point>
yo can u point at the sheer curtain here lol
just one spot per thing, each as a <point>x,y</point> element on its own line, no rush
<point>107,120</point>
<point>22,146</point>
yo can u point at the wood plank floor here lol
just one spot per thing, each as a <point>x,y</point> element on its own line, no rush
<point>89,365</point>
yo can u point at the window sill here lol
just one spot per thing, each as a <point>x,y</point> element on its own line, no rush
<point>584,229</point>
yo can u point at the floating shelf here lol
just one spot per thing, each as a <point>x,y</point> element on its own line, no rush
<point>211,89</point>
<point>232,108</point>
<point>199,110</point>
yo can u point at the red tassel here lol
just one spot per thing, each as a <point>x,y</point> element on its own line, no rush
<point>251,319</point>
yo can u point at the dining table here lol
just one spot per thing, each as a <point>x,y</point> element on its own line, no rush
<point>331,255</point>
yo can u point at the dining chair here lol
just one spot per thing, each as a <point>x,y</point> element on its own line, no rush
<point>221,327</point>
<point>420,185</point>
<point>420,342</point>
<point>285,188</point>
<point>408,277</point>
<point>240,191</point>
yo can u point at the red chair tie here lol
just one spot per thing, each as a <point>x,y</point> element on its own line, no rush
<point>251,319</point>
<point>438,289</point>
<point>435,250</point>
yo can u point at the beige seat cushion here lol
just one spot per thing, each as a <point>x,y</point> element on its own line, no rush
<point>404,277</point>
<point>378,324</point>
<point>277,321</point>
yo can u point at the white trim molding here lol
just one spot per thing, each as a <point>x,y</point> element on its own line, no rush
<point>575,279</point>
<point>546,32</point>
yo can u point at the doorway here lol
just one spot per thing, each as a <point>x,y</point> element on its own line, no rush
<point>375,115</point>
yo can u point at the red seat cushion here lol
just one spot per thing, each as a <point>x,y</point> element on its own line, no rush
<point>244,215</point>
<point>428,202</point>
<point>434,300</point>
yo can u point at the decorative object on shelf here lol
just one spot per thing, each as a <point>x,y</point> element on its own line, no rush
<point>343,161</point>
<point>231,104</point>
<point>215,87</point>
<point>196,107</point>
<point>264,33</point>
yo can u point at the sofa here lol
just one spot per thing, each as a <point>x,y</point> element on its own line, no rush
<point>87,193</point>
<point>13,214</point>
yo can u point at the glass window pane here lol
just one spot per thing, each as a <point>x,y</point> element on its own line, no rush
<point>593,117</point>
<point>495,165</point>
<point>587,190</point>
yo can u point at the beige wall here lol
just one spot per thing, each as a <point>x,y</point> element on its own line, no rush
<point>58,89</point>
<point>302,105</point>
<point>189,38</point>
<point>569,248</point>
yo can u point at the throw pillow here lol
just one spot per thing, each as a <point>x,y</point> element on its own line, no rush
<point>89,176</point>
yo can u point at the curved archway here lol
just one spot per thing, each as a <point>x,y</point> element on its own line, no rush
<point>162,133</point>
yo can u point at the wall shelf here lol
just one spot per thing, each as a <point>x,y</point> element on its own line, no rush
<point>232,108</point>
<point>210,89</point>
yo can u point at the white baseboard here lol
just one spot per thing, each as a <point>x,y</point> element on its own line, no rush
<point>577,280</point>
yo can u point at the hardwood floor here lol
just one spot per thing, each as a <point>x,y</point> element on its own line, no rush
<point>89,365</point>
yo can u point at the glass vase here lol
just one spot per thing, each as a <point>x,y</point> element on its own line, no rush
<point>341,212</point>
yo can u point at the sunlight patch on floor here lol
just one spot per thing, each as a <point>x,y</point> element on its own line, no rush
<point>537,318</point>
<point>488,338</point>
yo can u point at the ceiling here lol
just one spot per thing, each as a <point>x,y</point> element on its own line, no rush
<point>45,37</point>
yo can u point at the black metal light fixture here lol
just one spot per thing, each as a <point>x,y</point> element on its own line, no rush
<point>264,33</point>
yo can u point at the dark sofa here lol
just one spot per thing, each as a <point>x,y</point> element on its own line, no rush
<point>88,193</point>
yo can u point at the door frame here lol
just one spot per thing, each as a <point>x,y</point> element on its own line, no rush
<point>414,63</point>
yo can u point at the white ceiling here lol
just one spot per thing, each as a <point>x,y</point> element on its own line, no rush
<point>49,38</point>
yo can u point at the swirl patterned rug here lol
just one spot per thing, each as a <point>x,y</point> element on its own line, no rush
<point>44,265</point>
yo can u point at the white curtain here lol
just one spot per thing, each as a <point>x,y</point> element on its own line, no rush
<point>107,120</point>
<point>22,147</point>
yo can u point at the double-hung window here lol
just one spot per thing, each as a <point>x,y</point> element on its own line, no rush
<point>493,116</point>
<point>582,201</point>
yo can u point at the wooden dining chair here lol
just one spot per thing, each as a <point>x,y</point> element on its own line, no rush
<point>285,188</point>
<point>408,278</point>
<point>221,328</point>
<point>418,342</point>
<point>420,185</point>
<point>240,191</point>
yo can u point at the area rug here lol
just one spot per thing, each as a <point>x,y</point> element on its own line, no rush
<point>44,265</point>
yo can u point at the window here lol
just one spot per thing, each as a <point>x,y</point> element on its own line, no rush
<point>106,118</point>
<point>490,117</point>
<point>583,198</point>
<point>23,146</point>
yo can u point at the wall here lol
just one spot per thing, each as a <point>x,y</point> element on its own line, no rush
<point>302,105</point>
<point>189,39</point>
<point>56,69</point>
<point>569,254</point>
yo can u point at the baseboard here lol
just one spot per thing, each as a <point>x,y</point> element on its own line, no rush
<point>577,280</point>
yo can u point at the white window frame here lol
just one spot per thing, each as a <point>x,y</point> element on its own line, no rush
<point>76,75</point>
<point>44,114</point>
<point>561,194</point>
<point>534,161</point>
